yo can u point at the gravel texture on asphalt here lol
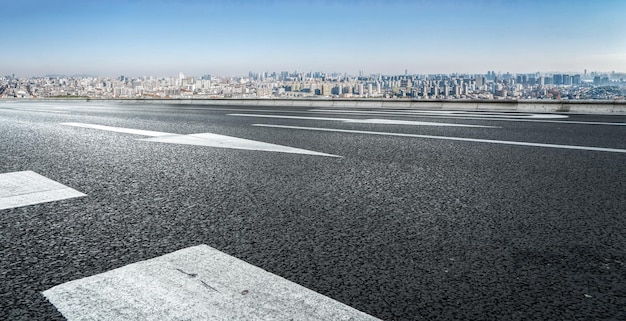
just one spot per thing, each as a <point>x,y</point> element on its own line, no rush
<point>398,228</point>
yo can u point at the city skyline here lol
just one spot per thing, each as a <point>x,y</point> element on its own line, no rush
<point>138,38</point>
<point>285,85</point>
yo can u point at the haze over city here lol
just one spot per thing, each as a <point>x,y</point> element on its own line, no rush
<point>138,38</point>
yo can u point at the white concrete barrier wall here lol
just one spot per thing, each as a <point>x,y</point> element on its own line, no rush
<point>496,106</point>
<point>342,104</point>
<point>369,104</point>
<point>459,106</point>
<point>536,107</point>
<point>427,104</point>
<point>603,109</point>
<point>583,107</point>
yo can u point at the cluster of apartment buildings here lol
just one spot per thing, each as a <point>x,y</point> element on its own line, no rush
<point>491,85</point>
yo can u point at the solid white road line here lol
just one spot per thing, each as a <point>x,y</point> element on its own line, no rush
<point>566,122</point>
<point>438,114</point>
<point>33,110</point>
<point>447,115</point>
<point>364,121</point>
<point>205,139</point>
<point>412,122</point>
<point>462,139</point>
<point>287,117</point>
<point>196,283</point>
<point>450,113</point>
<point>19,189</point>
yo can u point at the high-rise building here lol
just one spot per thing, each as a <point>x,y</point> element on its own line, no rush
<point>548,80</point>
<point>605,80</point>
<point>326,89</point>
<point>557,79</point>
<point>597,80</point>
<point>567,80</point>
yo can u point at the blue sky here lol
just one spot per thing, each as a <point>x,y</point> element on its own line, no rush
<point>161,37</point>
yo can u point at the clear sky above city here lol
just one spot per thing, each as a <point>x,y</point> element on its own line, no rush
<point>162,38</point>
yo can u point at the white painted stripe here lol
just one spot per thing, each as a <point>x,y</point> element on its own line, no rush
<point>439,114</point>
<point>257,110</point>
<point>120,129</point>
<point>215,140</point>
<point>569,122</point>
<point>196,283</point>
<point>19,189</point>
<point>451,116</point>
<point>34,110</point>
<point>288,117</point>
<point>413,123</point>
<point>462,139</point>
<point>205,139</point>
<point>449,112</point>
<point>364,121</point>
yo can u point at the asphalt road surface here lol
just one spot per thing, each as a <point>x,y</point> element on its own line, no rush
<point>400,214</point>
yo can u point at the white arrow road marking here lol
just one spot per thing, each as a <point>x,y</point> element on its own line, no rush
<point>366,121</point>
<point>215,140</point>
<point>196,283</point>
<point>461,139</point>
<point>204,139</point>
<point>19,189</point>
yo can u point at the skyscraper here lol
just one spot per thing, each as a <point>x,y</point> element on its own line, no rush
<point>557,79</point>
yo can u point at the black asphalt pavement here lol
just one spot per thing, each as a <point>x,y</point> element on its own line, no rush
<point>401,228</point>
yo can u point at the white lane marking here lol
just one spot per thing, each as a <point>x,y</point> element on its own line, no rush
<point>287,117</point>
<point>215,140</point>
<point>34,110</point>
<point>205,139</point>
<point>412,122</point>
<point>451,113</point>
<point>413,115</point>
<point>462,139</point>
<point>196,283</point>
<point>364,121</point>
<point>245,110</point>
<point>120,129</point>
<point>439,114</point>
<point>19,189</point>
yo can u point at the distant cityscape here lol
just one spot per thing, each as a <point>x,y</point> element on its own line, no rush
<point>311,85</point>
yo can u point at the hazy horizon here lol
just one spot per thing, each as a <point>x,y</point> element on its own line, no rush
<point>163,38</point>
<point>200,74</point>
